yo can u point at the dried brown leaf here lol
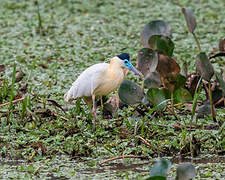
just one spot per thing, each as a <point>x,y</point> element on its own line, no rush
<point>19,75</point>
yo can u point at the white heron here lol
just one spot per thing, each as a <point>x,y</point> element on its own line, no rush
<point>100,79</point>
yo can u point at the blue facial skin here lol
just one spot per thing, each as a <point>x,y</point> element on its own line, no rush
<point>126,59</point>
<point>128,64</point>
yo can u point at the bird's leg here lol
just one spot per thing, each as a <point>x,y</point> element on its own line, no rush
<point>101,102</point>
<point>117,100</point>
<point>94,114</point>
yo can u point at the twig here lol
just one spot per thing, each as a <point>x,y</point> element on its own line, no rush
<point>211,103</point>
<point>171,109</point>
<point>62,117</point>
<point>122,157</point>
<point>14,101</point>
<point>53,103</point>
<point>197,41</point>
<point>153,115</point>
<point>147,143</point>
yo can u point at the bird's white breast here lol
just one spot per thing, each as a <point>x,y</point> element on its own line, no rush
<point>110,81</point>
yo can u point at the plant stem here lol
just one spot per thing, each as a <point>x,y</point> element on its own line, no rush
<point>142,127</point>
<point>194,105</point>
<point>172,102</point>
<point>12,95</point>
<point>197,42</point>
<point>177,3</point>
<point>191,145</point>
<point>210,100</point>
<point>143,84</point>
<point>39,16</point>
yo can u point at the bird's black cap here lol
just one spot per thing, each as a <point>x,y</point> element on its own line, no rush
<point>124,56</point>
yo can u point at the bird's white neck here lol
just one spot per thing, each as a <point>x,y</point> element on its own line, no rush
<point>114,68</point>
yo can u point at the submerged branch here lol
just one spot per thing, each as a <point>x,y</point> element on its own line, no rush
<point>122,157</point>
<point>149,145</point>
<point>14,101</point>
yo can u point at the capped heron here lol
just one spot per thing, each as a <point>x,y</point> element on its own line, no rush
<point>100,79</point>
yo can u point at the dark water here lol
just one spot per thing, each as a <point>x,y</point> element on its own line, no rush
<point>90,169</point>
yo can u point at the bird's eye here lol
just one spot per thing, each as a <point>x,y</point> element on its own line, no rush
<point>125,61</point>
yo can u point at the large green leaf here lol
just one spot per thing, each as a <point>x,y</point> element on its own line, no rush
<point>182,95</point>
<point>147,60</point>
<point>221,82</point>
<point>158,97</point>
<point>204,66</point>
<point>179,81</point>
<point>222,45</point>
<point>185,171</point>
<point>130,93</point>
<point>217,94</point>
<point>204,110</point>
<point>160,168</point>
<point>174,82</point>
<point>162,44</point>
<point>157,27</point>
<point>152,80</point>
<point>190,19</point>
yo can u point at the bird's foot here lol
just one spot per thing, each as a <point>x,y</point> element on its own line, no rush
<point>117,101</point>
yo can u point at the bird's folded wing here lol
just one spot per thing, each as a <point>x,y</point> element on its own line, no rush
<point>86,82</point>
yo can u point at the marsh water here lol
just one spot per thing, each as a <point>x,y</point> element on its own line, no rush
<point>207,168</point>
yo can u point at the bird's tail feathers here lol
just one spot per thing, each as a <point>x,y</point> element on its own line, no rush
<point>70,95</point>
<point>66,97</point>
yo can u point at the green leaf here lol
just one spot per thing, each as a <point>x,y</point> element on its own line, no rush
<point>152,80</point>
<point>185,171</point>
<point>222,45</point>
<point>162,44</point>
<point>184,70</point>
<point>221,82</point>
<point>157,178</point>
<point>182,95</point>
<point>156,27</point>
<point>190,19</point>
<point>179,81</point>
<point>158,97</point>
<point>130,93</point>
<point>204,66</point>
<point>147,60</point>
<point>217,94</point>
<point>160,168</point>
<point>204,110</point>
